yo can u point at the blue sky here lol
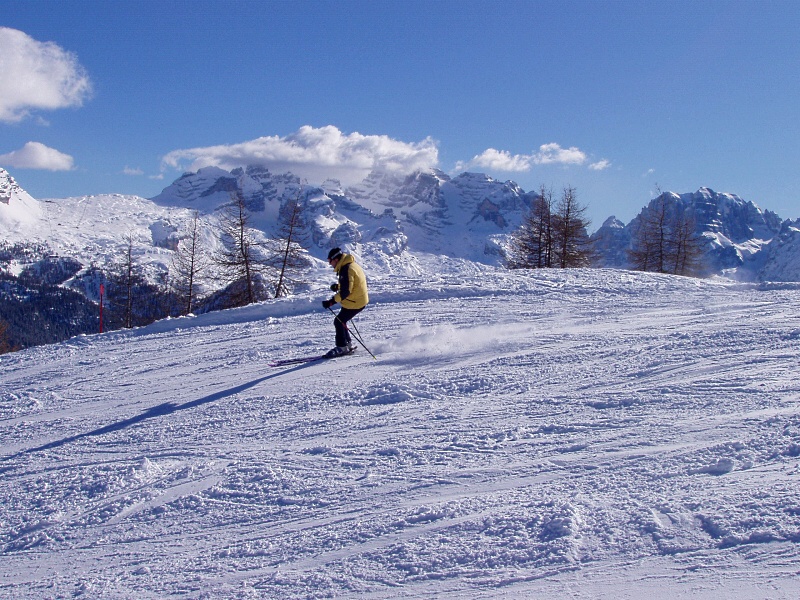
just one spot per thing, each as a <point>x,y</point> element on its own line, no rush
<point>616,99</point>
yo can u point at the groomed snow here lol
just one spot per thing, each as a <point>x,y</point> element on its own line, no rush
<point>554,434</point>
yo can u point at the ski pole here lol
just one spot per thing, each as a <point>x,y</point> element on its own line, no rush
<point>355,329</point>
<point>357,335</point>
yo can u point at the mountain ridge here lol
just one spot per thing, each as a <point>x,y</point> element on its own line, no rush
<point>384,219</point>
<point>738,235</point>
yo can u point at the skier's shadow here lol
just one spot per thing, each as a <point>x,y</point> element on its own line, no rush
<point>160,410</point>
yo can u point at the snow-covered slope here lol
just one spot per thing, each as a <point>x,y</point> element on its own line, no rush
<point>580,433</point>
<point>96,230</point>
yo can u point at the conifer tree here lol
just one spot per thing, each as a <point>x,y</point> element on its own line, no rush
<point>571,239</point>
<point>241,257</point>
<point>552,238</point>
<point>664,239</point>
<point>5,338</point>
<point>131,300</point>
<point>188,265</point>
<point>532,244</point>
<point>286,247</point>
<point>128,279</point>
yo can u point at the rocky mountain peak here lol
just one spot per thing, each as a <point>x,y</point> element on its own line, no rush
<point>16,205</point>
<point>738,233</point>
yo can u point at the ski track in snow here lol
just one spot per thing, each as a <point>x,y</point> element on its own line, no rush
<point>580,434</point>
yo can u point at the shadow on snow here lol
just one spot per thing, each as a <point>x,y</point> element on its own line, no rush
<point>160,410</point>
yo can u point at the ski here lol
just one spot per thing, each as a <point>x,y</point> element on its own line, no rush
<point>296,361</point>
<point>304,359</point>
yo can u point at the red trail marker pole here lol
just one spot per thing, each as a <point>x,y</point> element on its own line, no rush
<point>102,289</point>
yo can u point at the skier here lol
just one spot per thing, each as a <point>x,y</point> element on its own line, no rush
<point>350,292</point>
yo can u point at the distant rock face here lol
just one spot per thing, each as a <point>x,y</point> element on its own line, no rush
<point>424,211</point>
<point>212,187</point>
<point>611,242</point>
<point>470,216</point>
<point>460,216</point>
<point>782,255</point>
<point>728,219</point>
<point>7,183</point>
<point>739,234</point>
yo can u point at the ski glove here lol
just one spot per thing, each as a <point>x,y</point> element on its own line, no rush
<point>328,303</point>
<point>334,287</point>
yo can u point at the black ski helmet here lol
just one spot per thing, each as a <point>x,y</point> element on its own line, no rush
<point>334,253</point>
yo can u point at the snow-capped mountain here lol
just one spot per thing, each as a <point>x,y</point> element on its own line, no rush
<point>329,217</point>
<point>96,230</point>
<point>386,220</point>
<point>781,260</point>
<point>424,211</point>
<point>18,209</point>
<point>611,242</point>
<point>391,223</point>
<point>741,239</point>
<point>459,217</point>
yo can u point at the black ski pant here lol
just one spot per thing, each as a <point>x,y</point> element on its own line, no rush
<point>340,322</point>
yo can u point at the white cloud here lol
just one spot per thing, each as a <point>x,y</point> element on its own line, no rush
<point>37,75</point>
<point>133,172</point>
<point>315,154</point>
<point>555,154</point>
<point>600,165</point>
<point>502,160</point>
<point>34,155</point>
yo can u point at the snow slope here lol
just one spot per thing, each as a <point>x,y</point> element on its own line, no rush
<point>97,230</point>
<point>555,434</point>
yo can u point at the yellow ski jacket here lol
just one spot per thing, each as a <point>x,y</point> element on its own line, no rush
<point>352,284</point>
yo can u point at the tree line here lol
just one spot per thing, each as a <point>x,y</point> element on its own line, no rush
<point>664,239</point>
<point>554,234</point>
<point>248,267</point>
